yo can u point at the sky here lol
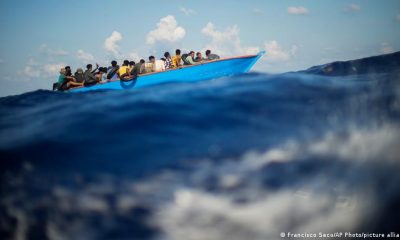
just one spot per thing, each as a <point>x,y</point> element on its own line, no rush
<point>39,37</point>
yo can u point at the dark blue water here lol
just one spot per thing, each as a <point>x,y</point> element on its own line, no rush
<point>244,157</point>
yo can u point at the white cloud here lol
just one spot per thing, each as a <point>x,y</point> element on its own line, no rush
<point>353,8</point>
<point>134,56</point>
<point>275,53</point>
<point>257,11</point>
<point>167,31</point>
<point>187,11</point>
<point>52,70</point>
<point>386,48</point>
<point>52,52</point>
<point>297,10</point>
<point>84,56</point>
<point>33,69</point>
<point>226,42</point>
<point>111,43</point>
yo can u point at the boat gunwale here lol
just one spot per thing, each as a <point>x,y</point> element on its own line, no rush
<point>172,69</point>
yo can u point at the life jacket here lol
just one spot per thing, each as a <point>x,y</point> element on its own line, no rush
<point>184,56</point>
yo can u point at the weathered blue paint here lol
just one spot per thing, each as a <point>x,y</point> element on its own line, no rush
<point>203,71</point>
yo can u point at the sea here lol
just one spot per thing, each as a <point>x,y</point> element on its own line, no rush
<point>255,156</point>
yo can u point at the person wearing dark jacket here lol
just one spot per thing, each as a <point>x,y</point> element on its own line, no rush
<point>79,75</point>
<point>90,77</point>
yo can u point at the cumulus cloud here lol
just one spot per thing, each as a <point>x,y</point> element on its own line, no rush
<point>33,69</point>
<point>353,8</point>
<point>111,43</point>
<point>298,10</point>
<point>226,42</point>
<point>84,56</point>
<point>52,52</point>
<point>187,11</point>
<point>167,31</point>
<point>134,56</point>
<point>52,70</point>
<point>275,53</point>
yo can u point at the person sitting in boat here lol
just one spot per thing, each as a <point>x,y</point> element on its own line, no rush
<point>199,57</point>
<point>112,71</point>
<point>159,65</point>
<point>176,60</point>
<point>168,60</point>
<point>89,75</point>
<point>79,76</point>
<point>68,71</point>
<point>149,66</point>
<point>210,56</point>
<point>65,82</point>
<point>100,73</point>
<point>123,71</point>
<point>188,59</point>
<point>131,65</point>
<point>140,66</point>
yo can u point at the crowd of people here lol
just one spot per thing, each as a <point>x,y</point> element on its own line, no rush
<point>128,70</point>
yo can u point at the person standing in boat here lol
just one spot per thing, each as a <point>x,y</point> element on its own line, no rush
<point>168,60</point>
<point>210,56</point>
<point>176,60</point>
<point>89,75</point>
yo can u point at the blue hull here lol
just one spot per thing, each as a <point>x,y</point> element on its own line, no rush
<point>204,71</point>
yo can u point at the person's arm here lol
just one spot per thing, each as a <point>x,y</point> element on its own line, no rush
<point>97,67</point>
<point>190,60</point>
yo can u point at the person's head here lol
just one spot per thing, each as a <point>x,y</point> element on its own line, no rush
<point>89,67</point>
<point>131,63</point>
<point>178,52</point>
<point>152,59</point>
<point>102,70</point>
<point>79,70</point>
<point>68,68</point>
<point>208,52</point>
<point>191,53</point>
<point>167,55</point>
<point>114,63</point>
<point>126,63</point>
<point>63,71</point>
<point>142,61</point>
<point>198,55</point>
